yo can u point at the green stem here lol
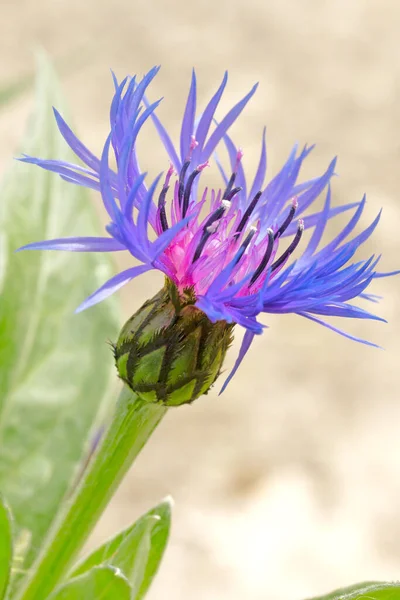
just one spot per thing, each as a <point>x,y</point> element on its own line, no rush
<point>133,423</point>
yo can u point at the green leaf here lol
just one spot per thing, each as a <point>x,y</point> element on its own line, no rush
<point>55,366</point>
<point>371,590</point>
<point>100,583</point>
<point>6,549</point>
<point>137,550</point>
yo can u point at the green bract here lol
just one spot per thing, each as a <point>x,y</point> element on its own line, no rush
<point>169,351</point>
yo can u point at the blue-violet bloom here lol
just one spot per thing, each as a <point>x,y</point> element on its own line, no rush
<point>226,245</point>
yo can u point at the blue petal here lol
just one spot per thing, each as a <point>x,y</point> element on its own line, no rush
<point>167,236</point>
<point>138,93</point>
<point>311,194</point>
<point>312,220</point>
<point>66,170</point>
<point>144,211</point>
<point>112,285</point>
<point>389,274</point>
<point>166,140</point>
<point>348,229</point>
<point>106,191</point>
<point>339,331</point>
<point>75,144</point>
<point>77,244</point>
<point>207,117</point>
<point>130,201</point>
<point>319,227</point>
<point>223,127</point>
<point>116,99</point>
<point>261,169</point>
<point>240,180</point>
<point>246,343</point>
<point>91,184</point>
<point>188,119</point>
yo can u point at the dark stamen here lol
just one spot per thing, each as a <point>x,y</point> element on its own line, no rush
<point>248,212</point>
<point>246,242</point>
<point>232,179</point>
<point>265,258</point>
<point>217,214</point>
<point>232,193</point>
<point>161,208</point>
<point>188,189</point>
<point>182,176</point>
<point>229,186</point>
<point>242,248</point>
<point>287,221</point>
<point>291,248</point>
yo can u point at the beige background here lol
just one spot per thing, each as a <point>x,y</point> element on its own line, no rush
<point>289,484</point>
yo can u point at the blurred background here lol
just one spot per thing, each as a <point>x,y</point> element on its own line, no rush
<point>288,484</point>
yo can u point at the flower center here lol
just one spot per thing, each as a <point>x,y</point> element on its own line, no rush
<point>232,236</point>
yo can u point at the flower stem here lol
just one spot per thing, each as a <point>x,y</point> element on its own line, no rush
<point>133,423</point>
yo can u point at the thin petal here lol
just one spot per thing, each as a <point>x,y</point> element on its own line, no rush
<point>207,116</point>
<point>65,170</point>
<point>348,229</point>
<point>308,197</point>
<point>339,331</point>
<point>77,244</point>
<point>106,191</point>
<point>130,201</point>
<point>320,227</point>
<point>246,343</point>
<point>143,218</point>
<point>166,140</point>
<point>75,144</point>
<point>240,180</point>
<point>223,127</point>
<point>188,119</point>
<point>261,169</point>
<point>312,220</point>
<point>91,184</point>
<point>112,285</point>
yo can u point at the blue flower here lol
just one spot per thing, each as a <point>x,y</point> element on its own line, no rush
<point>226,245</point>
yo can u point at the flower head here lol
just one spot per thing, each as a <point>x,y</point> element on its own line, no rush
<point>238,249</point>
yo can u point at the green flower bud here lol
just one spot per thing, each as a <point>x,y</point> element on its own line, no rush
<point>169,351</point>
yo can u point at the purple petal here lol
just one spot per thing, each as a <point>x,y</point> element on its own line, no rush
<point>319,228</point>
<point>106,191</point>
<point>240,180</point>
<point>65,170</point>
<point>136,97</point>
<point>348,229</point>
<point>223,127</point>
<point>311,194</point>
<point>91,184</point>
<point>261,169</point>
<point>339,331</point>
<point>207,117</point>
<point>389,274</point>
<point>77,244</point>
<point>166,237</point>
<point>112,285</point>
<point>116,99</point>
<point>312,220</point>
<point>221,169</point>
<point>346,311</point>
<point>188,119</point>
<point>166,140</point>
<point>130,201</point>
<point>75,144</point>
<point>144,212</point>
<point>246,343</point>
